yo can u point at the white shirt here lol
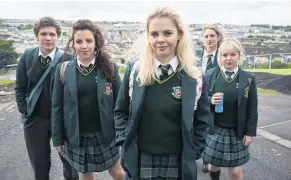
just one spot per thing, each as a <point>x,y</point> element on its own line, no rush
<point>205,59</point>
<point>51,54</point>
<point>80,63</point>
<point>173,63</point>
<point>233,75</point>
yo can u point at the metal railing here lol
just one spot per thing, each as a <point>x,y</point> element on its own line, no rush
<point>252,65</point>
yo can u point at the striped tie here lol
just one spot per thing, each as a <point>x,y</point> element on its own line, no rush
<point>209,62</point>
<point>229,74</point>
<point>165,69</point>
<point>44,61</point>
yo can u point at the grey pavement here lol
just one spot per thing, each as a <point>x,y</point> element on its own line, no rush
<point>275,114</point>
<point>269,160</point>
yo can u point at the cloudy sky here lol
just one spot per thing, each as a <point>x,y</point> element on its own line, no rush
<point>276,12</point>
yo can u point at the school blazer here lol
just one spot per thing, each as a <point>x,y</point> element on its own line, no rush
<point>247,105</point>
<point>194,124</point>
<point>28,74</point>
<point>65,119</point>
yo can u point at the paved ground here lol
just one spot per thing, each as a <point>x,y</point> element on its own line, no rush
<point>270,161</point>
<point>274,114</point>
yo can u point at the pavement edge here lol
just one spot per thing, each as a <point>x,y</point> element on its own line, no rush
<point>272,137</point>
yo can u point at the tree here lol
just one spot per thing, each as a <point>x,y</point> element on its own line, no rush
<point>277,27</point>
<point>7,53</point>
<point>25,27</point>
<point>287,28</point>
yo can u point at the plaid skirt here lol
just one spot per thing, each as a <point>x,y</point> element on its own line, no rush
<point>157,167</point>
<point>225,149</point>
<point>92,155</point>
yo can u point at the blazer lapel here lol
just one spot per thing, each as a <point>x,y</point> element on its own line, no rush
<point>188,100</point>
<point>71,79</point>
<point>215,63</point>
<point>137,100</point>
<point>34,76</point>
<point>211,81</point>
<point>52,73</point>
<point>242,85</point>
<point>36,71</point>
<point>100,86</point>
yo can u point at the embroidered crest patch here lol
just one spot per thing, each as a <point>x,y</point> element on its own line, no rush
<point>177,92</point>
<point>246,92</point>
<point>108,88</point>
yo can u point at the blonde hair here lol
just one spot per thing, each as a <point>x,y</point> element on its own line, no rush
<point>217,30</point>
<point>184,52</point>
<point>231,45</point>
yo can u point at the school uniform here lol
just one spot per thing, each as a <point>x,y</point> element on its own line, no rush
<point>82,116</point>
<point>161,134</point>
<point>207,60</point>
<point>36,111</point>
<point>224,146</point>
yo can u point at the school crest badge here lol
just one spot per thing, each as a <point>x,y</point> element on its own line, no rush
<point>108,88</point>
<point>177,92</point>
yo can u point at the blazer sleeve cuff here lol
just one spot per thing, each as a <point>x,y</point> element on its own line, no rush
<point>58,143</point>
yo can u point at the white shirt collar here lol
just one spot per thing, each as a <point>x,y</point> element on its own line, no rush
<point>80,63</point>
<point>235,70</point>
<point>51,54</point>
<point>205,54</point>
<point>174,63</point>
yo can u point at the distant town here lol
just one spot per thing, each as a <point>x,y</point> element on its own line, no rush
<point>124,38</point>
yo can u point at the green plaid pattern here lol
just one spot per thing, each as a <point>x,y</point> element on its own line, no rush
<point>93,155</point>
<point>225,149</point>
<point>159,167</point>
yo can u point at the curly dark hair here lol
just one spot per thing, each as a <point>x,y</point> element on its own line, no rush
<point>46,22</point>
<point>102,58</point>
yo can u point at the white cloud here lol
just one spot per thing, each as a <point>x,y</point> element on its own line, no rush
<point>225,12</point>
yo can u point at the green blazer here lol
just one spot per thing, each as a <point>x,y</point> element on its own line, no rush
<point>247,101</point>
<point>194,124</point>
<point>27,75</point>
<point>65,119</point>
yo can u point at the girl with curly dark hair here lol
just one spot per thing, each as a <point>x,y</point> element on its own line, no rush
<point>84,96</point>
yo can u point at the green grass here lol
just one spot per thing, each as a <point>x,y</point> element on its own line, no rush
<point>273,71</point>
<point>267,91</point>
<point>6,82</point>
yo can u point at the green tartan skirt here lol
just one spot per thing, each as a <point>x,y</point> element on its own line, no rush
<point>92,155</point>
<point>159,167</point>
<point>225,149</point>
